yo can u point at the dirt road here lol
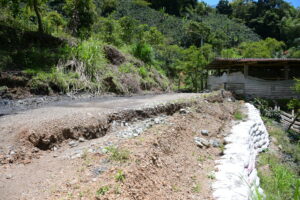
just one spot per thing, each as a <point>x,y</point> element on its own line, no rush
<point>75,168</point>
<point>13,127</point>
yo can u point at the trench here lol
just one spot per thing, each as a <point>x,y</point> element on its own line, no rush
<point>104,125</point>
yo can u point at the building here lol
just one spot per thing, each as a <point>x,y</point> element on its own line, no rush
<point>255,77</point>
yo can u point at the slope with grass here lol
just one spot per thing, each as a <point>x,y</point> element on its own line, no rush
<point>279,166</point>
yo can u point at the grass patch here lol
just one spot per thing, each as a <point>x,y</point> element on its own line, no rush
<point>238,115</point>
<point>117,154</point>
<point>279,178</point>
<point>279,182</point>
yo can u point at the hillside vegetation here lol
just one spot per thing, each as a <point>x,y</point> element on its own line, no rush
<point>130,46</point>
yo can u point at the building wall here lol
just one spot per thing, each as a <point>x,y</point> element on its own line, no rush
<point>251,86</point>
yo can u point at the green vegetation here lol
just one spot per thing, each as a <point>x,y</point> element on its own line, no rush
<point>126,46</point>
<point>238,115</point>
<point>279,172</point>
<point>120,176</point>
<point>117,154</point>
<point>102,190</point>
<point>196,188</point>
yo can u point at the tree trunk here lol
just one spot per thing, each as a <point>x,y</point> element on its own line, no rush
<point>36,10</point>
<point>293,122</point>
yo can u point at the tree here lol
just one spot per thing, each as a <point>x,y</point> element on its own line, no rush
<point>34,5</point>
<point>267,48</point>
<point>174,7</point>
<point>194,65</point>
<point>196,33</point>
<point>224,7</point>
<point>81,15</point>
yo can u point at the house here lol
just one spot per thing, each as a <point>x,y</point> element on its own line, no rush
<point>255,77</point>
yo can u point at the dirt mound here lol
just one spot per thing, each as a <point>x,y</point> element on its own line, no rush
<point>114,55</point>
<point>220,97</point>
<point>164,162</point>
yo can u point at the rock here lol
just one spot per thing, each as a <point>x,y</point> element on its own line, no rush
<point>99,170</point>
<point>156,121</point>
<point>201,142</point>
<point>54,148</point>
<point>73,143</point>
<point>183,111</point>
<point>215,142</point>
<point>81,139</point>
<point>35,150</point>
<point>204,132</point>
<point>9,176</point>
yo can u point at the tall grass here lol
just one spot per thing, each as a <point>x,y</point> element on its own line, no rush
<point>279,178</point>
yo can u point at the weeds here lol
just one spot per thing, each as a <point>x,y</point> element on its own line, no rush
<point>279,178</point>
<point>175,188</point>
<point>102,190</point>
<point>211,175</point>
<point>196,188</point>
<point>238,115</point>
<point>281,182</point>
<point>117,154</point>
<point>201,158</point>
<point>120,176</point>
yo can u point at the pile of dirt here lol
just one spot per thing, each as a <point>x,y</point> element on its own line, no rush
<point>164,162</point>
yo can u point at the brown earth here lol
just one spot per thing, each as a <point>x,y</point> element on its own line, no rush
<point>164,161</point>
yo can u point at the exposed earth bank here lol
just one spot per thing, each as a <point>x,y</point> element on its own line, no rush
<point>128,148</point>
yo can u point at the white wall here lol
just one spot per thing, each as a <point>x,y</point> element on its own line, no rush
<point>240,84</point>
<point>236,176</point>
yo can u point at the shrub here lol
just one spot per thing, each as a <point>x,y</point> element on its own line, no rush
<point>265,109</point>
<point>143,72</point>
<point>91,53</point>
<point>144,52</point>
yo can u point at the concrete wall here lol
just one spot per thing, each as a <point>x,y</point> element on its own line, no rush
<point>252,86</point>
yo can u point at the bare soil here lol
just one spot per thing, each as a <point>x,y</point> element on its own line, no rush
<point>164,161</point>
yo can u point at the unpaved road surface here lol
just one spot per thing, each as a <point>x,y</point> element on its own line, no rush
<point>162,161</point>
<point>47,119</point>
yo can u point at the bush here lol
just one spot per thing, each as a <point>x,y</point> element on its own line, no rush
<point>91,53</point>
<point>265,109</point>
<point>144,52</point>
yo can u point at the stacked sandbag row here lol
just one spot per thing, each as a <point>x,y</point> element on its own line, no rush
<point>236,176</point>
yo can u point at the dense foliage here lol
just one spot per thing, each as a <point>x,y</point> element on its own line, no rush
<point>156,40</point>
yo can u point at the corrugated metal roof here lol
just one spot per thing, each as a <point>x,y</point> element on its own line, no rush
<point>223,63</point>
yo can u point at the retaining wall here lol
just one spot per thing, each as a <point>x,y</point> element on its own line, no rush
<point>236,176</point>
